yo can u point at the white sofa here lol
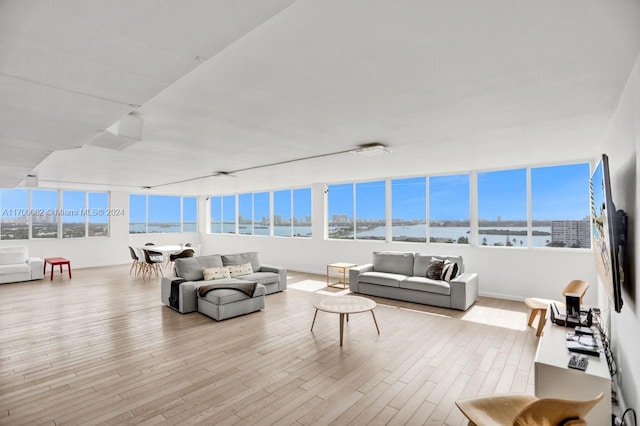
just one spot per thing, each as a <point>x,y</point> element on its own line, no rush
<point>16,265</point>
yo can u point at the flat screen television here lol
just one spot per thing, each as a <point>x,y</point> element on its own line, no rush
<point>608,230</point>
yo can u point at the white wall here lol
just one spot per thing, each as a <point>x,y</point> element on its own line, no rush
<point>512,273</point>
<point>622,145</point>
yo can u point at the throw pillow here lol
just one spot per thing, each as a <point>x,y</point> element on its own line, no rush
<point>434,268</point>
<point>215,273</point>
<point>449,271</point>
<point>239,270</point>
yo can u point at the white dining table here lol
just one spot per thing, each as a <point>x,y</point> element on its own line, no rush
<point>165,250</point>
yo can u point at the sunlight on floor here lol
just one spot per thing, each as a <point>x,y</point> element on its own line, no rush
<point>320,287</point>
<point>497,317</point>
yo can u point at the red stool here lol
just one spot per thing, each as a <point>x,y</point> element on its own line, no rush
<point>56,261</point>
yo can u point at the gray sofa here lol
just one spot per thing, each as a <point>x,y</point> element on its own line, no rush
<point>402,276</point>
<point>221,303</point>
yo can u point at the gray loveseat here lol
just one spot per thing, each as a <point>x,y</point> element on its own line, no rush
<point>402,276</point>
<point>221,303</point>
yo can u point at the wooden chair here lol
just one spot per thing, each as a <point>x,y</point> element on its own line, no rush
<point>135,261</point>
<point>152,262</point>
<point>538,305</point>
<point>525,410</point>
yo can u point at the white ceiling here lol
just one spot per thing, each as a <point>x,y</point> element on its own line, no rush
<point>228,84</point>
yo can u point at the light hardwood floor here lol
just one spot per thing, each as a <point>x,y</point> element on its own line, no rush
<point>101,349</point>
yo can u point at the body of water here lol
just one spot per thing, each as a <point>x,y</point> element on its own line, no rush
<point>454,233</point>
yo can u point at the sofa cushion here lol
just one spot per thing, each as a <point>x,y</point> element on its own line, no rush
<point>242,258</point>
<point>261,277</point>
<point>422,261</point>
<point>216,273</point>
<point>426,284</point>
<point>394,262</point>
<point>434,268</point>
<point>450,270</point>
<point>240,270</point>
<point>225,296</point>
<point>18,268</point>
<point>381,278</point>
<point>13,254</point>
<point>190,268</point>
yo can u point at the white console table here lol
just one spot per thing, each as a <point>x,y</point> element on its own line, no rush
<point>553,379</point>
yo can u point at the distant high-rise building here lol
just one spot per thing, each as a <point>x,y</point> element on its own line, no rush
<point>573,233</point>
<point>340,218</point>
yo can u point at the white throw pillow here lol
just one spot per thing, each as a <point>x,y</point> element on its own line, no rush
<point>216,273</point>
<point>239,270</point>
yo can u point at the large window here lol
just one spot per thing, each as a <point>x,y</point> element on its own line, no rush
<point>370,211</point>
<point>99,214</point>
<point>302,212</point>
<point>409,209</point>
<point>229,214</point>
<point>14,220</point>
<point>137,214</point>
<point>292,213</point>
<point>560,206</point>
<point>73,214</point>
<point>164,214</point>
<point>189,214</point>
<point>159,214</point>
<point>44,218</point>
<point>261,213</point>
<point>40,211</point>
<point>282,213</point>
<point>340,200</point>
<point>245,214</point>
<point>502,208</point>
<point>449,209</point>
<point>368,204</point>
<point>223,214</point>
<point>216,214</point>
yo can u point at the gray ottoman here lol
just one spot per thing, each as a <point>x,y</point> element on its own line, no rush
<point>225,303</point>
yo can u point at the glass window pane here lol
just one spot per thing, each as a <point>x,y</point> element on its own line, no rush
<point>229,214</point>
<point>449,209</point>
<point>74,214</point>
<point>560,206</point>
<point>282,213</point>
<point>340,199</point>
<point>261,213</point>
<point>409,209</point>
<point>502,208</point>
<point>137,214</point>
<point>245,207</point>
<point>302,212</point>
<point>98,214</point>
<point>370,211</point>
<point>216,215</point>
<point>164,214</point>
<point>189,214</point>
<point>14,220</point>
<point>44,220</point>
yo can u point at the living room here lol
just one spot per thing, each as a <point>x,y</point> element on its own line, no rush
<point>280,97</point>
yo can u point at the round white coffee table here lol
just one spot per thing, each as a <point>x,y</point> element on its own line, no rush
<point>344,305</point>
